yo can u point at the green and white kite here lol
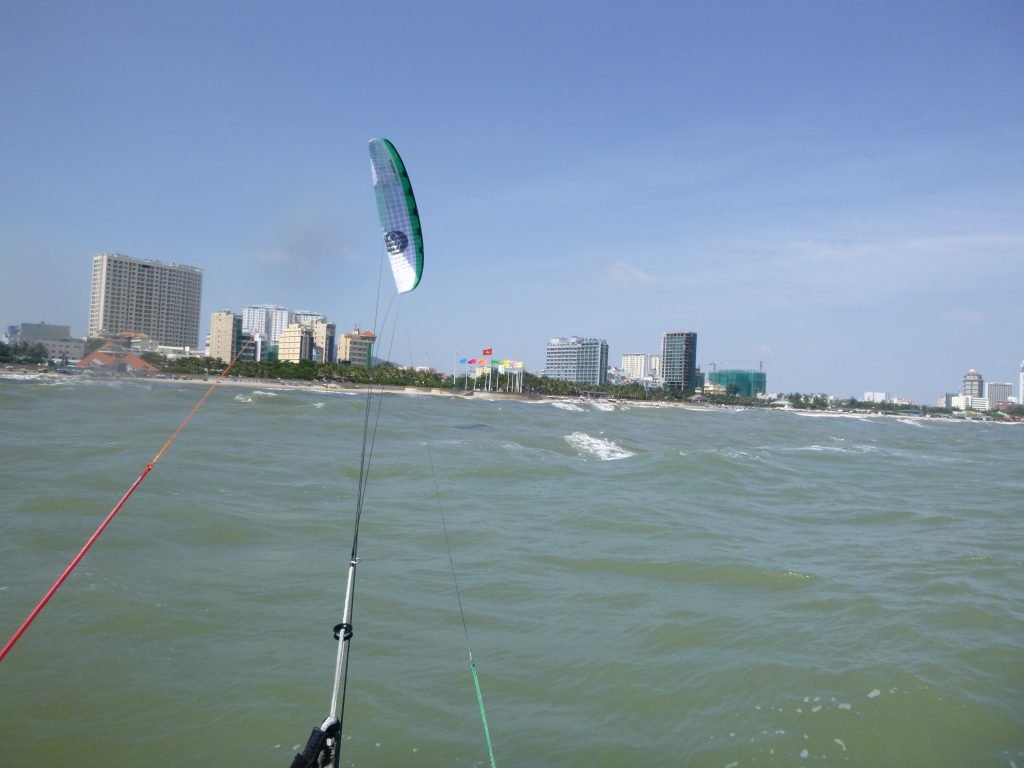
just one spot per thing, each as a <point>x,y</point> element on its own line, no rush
<point>398,214</point>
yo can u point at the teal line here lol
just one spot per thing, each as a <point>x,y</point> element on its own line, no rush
<point>462,612</point>
<point>483,715</point>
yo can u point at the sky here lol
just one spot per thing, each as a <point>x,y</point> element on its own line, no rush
<point>833,191</point>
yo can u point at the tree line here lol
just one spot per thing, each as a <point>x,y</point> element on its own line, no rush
<point>23,352</point>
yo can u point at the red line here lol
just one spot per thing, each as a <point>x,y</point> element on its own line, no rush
<point>96,534</point>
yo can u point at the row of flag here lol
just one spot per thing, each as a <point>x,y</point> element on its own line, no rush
<point>485,360</point>
<point>489,361</point>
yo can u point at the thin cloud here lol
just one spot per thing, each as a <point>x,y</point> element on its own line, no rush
<point>623,272</point>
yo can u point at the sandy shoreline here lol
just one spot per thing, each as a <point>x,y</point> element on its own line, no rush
<point>282,385</point>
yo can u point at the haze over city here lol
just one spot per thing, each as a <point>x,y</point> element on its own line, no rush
<point>833,190</point>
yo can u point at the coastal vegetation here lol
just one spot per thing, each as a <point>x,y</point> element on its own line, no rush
<point>22,352</point>
<point>390,374</point>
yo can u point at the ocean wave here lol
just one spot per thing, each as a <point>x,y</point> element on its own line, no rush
<point>566,406</point>
<point>605,450</point>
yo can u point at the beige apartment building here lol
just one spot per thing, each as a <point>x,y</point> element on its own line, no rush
<point>356,347</point>
<point>296,343</point>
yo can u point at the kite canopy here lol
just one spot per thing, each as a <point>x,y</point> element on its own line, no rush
<point>398,215</point>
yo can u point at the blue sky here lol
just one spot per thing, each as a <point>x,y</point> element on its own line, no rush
<point>836,189</point>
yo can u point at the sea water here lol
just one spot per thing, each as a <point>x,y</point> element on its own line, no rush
<point>641,586</point>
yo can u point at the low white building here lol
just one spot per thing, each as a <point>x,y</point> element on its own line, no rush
<point>970,403</point>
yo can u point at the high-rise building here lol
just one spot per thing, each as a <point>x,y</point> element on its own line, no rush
<point>296,343</point>
<point>584,361</point>
<point>307,317</point>
<point>158,300</point>
<point>745,383</point>
<point>227,339</point>
<point>637,366</point>
<point>356,348</point>
<point>266,319</point>
<point>1020,385</point>
<point>998,392</point>
<point>679,360</point>
<point>324,350</point>
<point>974,384</point>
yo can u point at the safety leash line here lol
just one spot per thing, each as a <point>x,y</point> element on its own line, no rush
<point>462,612</point>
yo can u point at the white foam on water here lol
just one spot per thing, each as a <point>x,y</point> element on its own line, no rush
<point>261,393</point>
<point>840,743</point>
<point>605,450</point>
<point>567,406</point>
<point>243,398</point>
<point>603,406</point>
<point>319,405</point>
<point>874,694</point>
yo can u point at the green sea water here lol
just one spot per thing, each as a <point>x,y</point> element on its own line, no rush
<point>642,586</point>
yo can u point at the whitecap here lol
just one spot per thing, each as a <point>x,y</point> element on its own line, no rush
<point>605,450</point>
<point>567,406</point>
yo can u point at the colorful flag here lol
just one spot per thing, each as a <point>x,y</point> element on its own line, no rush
<point>488,351</point>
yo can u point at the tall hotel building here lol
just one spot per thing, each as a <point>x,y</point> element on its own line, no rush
<point>679,360</point>
<point>638,366</point>
<point>584,361</point>
<point>150,297</point>
<point>269,320</point>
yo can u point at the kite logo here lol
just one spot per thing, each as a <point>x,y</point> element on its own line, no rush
<point>396,241</point>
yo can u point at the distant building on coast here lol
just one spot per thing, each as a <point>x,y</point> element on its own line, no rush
<point>679,360</point>
<point>356,347</point>
<point>55,338</point>
<point>974,384</point>
<point>159,300</point>
<point>998,392</point>
<point>227,339</point>
<point>324,347</point>
<point>267,320</point>
<point>295,344</point>
<point>738,382</point>
<point>114,357</point>
<point>638,366</point>
<point>584,361</point>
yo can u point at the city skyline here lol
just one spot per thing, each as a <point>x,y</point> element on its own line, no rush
<point>276,316</point>
<point>836,191</point>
